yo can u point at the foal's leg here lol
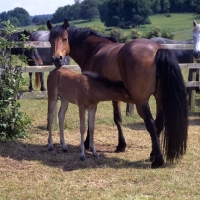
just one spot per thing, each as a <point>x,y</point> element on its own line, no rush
<point>91,118</point>
<point>42,88</point>
<point>118,121</point>
<point>61,116</point>
<point>82,112</point>
<point>30,82</point>
<point>50,117</point>
<point>144,112</point>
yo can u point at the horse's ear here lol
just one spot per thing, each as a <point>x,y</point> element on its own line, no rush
<point>65,24</point>
<point>194,23</point>
<point>49,25</point>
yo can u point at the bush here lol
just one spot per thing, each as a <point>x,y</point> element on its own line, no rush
<point>119,35</point>
<point>13,123</point>
<point>136,34</point>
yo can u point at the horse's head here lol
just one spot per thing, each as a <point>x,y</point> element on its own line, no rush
<point>58,39</point>
<point>196,36</point>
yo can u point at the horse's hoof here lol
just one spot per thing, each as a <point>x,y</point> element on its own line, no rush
<point>51,149</point>
<point>65,150</point>
<point>121,147</point>
<point>30,90</point>
<point>82,158</point>
<point>43,89</point>
<point>158,162</point>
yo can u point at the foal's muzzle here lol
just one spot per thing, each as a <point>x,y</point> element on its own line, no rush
<point>58,61</point>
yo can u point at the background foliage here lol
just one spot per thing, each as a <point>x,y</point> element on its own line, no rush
<point>120,13</point>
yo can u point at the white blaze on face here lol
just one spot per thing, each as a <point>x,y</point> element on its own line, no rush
<point>196,37</point>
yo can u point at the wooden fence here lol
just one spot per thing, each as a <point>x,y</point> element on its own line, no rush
<point>191,84</point>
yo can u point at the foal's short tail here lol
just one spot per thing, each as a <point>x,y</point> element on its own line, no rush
<point>174,105</point>
<point>37,79</point>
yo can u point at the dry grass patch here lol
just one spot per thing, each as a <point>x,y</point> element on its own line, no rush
<point>29,171</point>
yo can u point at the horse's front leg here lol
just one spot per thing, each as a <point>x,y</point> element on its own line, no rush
<point>91,119</point>
<point>42,88</point>
<point>61,116</point>
<point>118,121</point>
<point>30,82</point>
<point>82,112</point>
<point>50,117</point>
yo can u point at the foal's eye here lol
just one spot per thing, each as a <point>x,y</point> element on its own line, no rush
<point>64,39</point>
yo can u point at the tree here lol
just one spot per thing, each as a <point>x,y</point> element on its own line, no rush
<point>89,10</point>
<point>18,16</point>
<point>166,6</point>
<point>156,6</point>
<point>126,13</point>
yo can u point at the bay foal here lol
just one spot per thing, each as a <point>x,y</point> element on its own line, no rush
<point>86,91</point>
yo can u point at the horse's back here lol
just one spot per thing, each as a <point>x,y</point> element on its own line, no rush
<point>41,35</point>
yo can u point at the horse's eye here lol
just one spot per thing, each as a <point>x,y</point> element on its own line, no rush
<point>64,39</point>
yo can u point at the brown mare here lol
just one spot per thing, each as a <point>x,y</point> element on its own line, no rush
<point>145,69</point>
<point>85,91</point>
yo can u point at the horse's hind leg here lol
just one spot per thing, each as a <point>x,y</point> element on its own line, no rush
<point>118,121</point>
<point>159,122</point>
<point>30,82</point>
<point>91,119</point>
<point>144,112</point>
<point>61,116</point>
<point>42,88</point>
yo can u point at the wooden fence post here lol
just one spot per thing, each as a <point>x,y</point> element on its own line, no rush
<point>192,90</point>
<point>129,109</point>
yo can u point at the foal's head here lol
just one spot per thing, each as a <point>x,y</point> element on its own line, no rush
<point>59,42</point>
<point>196,37</point>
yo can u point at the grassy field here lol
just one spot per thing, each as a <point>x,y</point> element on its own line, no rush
<point>29,171</point>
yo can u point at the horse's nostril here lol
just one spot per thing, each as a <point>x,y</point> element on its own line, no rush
<point>60,57</point>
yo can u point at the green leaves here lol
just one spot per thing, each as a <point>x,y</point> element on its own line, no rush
<point>13,123</point>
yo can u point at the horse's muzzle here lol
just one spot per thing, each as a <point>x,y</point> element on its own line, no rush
<point>58,61</point>
<point>196,54</point>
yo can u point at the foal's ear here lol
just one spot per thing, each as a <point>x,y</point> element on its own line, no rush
<point>65,24</point>
<point>49,25</point>
<point>194,23</point>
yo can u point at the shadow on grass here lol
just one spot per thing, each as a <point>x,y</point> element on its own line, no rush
<point>70,161</point>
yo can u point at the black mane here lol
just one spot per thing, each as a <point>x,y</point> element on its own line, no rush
<point>78,35</point>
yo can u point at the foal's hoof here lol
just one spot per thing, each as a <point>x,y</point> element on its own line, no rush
<point>96,156</point>
<point>158,162</point>
<point>30,90</point>
<point>82,158</point>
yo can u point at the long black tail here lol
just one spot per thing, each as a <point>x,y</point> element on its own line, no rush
<point>174,105</point>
